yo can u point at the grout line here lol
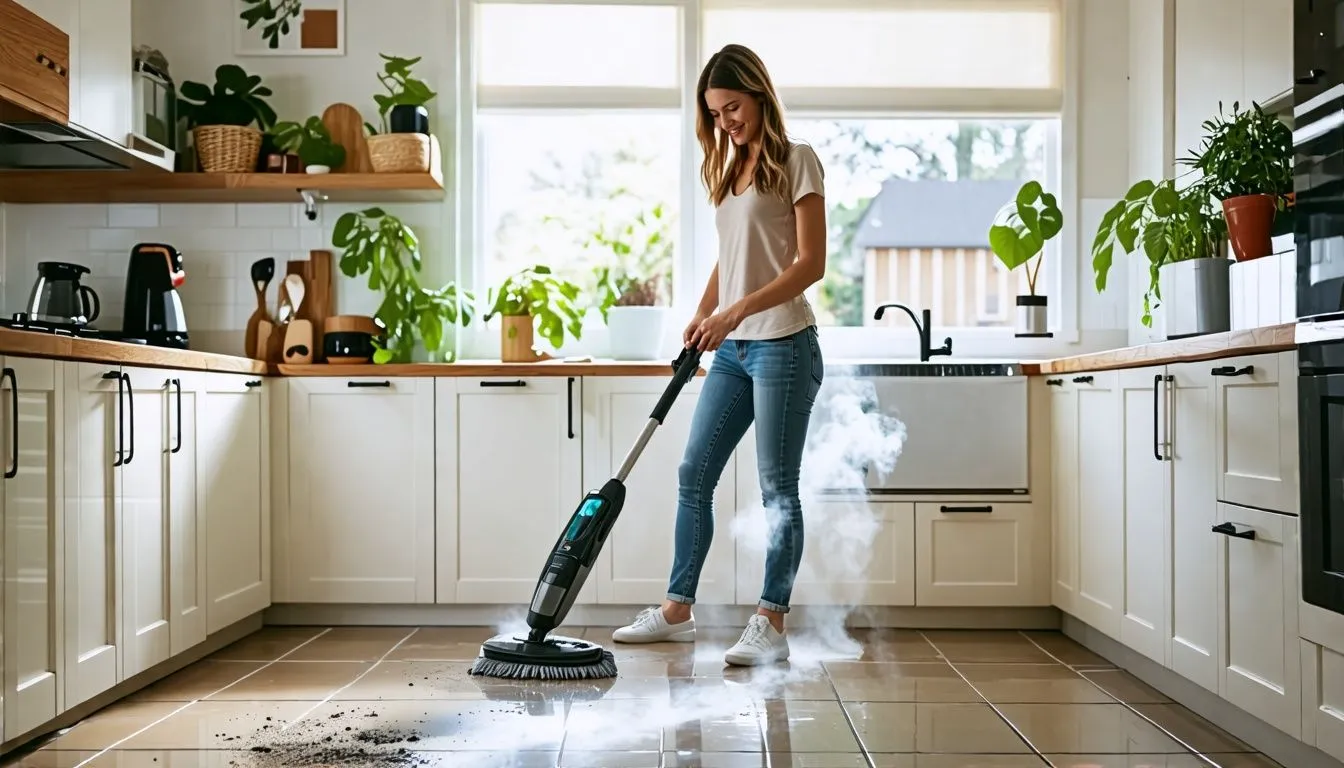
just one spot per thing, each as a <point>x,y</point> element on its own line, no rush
<point>1120,701</point>
<point>124,739</point>
<point>853,729</point>
<point>991,704</point>
<point>358,677</point>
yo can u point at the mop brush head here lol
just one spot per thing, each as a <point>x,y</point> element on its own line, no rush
<point>554,658</point>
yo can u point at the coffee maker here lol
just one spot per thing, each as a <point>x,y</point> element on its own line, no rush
<point>153,310</point>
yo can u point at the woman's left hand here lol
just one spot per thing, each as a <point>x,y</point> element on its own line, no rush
<point>715,328</point>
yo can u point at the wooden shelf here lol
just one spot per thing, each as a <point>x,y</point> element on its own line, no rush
<point>137,187</point>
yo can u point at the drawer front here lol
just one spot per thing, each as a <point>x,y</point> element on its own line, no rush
<point>34,61</point>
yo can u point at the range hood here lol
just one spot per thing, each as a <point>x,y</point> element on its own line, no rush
<point>44,145</point>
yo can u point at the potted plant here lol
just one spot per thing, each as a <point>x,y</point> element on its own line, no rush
<point>1019,234</point>
<point>530,301</point>
<point>1185,243</point>
<point>312,142</point>
<point>222,119</point>
<point>381,246</point>
<point>1247,161</point>
<point>406,150</point>
<point>634,284</point>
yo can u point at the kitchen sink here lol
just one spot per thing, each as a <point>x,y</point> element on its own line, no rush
<point>913,368</point>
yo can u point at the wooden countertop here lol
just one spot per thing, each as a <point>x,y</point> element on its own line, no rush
<point>1273,338</point>
<point>33,344</point>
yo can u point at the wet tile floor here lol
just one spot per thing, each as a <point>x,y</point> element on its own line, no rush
<point>385,696</point>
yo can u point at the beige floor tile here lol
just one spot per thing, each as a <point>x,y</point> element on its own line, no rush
<point>895,645</point>
<point>1125,687</point>
<point>1196,732</point>
<point>1162,761</point>
<point>114,723</point>
<point>617,726</point>
<point>1067,650</point>
<point>227,725</point>
<point>900,681</point>
<point>1241,760</point>
<point>294,681</point>
<point>986,646</point>
<point>1088,728</point>
<point>267,644</point>
<point>426,680</point>
<point>197,681</point>
<point>47,758</point>
<point>1032,683</point>
<point>629,759</point>
<point>735,730</point>
<point>443,644</point>
<point>806,726</point>
<point>949,728</point>
<point>958,761</point>
<point>780,682</point>
<point>443,725</point>
<point>352,644</point>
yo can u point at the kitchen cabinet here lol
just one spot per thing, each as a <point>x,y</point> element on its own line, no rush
<point>509,476</point>
<point>1063,493</point>
<point>361,474</point>
<point>32,508</point>
<point>978,554</point>
<point>1257,426</point>
<point>1323,696</point>
<point>185,493</point>
<point>145,535</point>
<point>637,558</point>
<point>1142,462</point>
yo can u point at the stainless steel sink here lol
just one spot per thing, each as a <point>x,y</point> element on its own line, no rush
<point>867,369</point>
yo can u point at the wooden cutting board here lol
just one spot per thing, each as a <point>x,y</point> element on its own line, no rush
<point>320,301</point>
<point>346,126</point>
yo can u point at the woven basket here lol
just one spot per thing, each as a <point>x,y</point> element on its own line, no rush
<point>227,148</point>
<point>399,152</point>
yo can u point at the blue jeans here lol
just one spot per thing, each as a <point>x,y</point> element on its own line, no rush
<point>773,383</point>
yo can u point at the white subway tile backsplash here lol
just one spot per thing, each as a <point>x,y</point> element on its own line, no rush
<point>133,215</point>
<point>267,215</point>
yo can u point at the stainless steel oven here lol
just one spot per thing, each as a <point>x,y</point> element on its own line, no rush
<point>1320,391</point>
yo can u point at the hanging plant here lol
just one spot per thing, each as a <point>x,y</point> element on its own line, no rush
<point>276,14</point>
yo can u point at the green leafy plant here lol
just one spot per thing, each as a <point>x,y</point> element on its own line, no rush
<point>537,292</point>
<point>236,99</point>
<point>381,246</point>
<point>638,267</point>
<point>276,14</point>
<point>1172,225</point>
<point>1247,153</point>
<point>402,89</point>
<point>1023,227</point>
<point>311,141</point>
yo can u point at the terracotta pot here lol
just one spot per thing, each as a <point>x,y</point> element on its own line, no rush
<point>1250,218</point>
<point>516,338</point>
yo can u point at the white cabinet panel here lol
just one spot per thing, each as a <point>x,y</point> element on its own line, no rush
<point>145,539</point>
<point>104,72</point>
<point>978,554</point>
<point>1257,431</point>
<point>1323,698</point>
<point>1101,521</point>
<point>186,557</point>
<point>1064,493</point>
<point>1147,493</point>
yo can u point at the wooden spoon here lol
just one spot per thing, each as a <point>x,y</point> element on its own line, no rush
<point>298,348</point>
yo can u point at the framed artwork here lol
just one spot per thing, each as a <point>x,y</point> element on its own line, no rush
<point>289,28</point>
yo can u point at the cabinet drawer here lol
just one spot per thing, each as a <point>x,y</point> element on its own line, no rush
<point>34,61</point>
<point>977,554</point>
<point>1257,431</point>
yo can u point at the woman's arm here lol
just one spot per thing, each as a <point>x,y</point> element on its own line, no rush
<point>709,300</point>
<point>808,268</point>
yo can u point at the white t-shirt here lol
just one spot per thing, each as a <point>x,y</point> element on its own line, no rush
<point>758,239</point>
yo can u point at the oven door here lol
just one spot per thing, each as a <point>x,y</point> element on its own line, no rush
<point>1321,448</point>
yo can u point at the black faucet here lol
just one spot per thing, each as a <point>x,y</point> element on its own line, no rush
<point>925,342</point>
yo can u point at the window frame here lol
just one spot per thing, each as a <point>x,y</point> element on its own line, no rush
<point>695,254</point>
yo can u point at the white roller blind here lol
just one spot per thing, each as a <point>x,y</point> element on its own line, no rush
<point>972,55</point>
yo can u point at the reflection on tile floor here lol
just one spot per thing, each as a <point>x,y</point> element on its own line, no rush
<point>402,697</point>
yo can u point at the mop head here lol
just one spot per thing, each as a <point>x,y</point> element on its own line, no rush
<point>555,658</point>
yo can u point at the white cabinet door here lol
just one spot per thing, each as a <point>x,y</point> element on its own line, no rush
<point>1323,698</point>
<point>977,554</point>
<point>186,531</point>
<point>104,101</point>
<point>1259,664</point>
<point>1257,431</point>
<point>1101,510</point>
<point>1147,492</point>
<point>517,451</point>
<point>34,503</point>
<point>233,498</point>
<point>361,468</point>
<point>145,540</point>
<point>637,558</point>
<point>1193,634</point>
<point>94,428</point>
<point>1064,492</point>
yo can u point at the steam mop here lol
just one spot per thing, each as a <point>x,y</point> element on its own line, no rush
<point>538,654</point>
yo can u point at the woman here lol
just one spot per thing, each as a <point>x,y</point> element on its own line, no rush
<point>771,220</point>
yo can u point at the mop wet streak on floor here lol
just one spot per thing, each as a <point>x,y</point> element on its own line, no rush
<point>402,697</point>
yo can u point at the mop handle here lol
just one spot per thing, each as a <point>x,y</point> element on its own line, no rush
<point>684,367</point>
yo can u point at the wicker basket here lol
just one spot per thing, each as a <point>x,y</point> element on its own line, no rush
<point>399,152</point>
<point>227,148</point>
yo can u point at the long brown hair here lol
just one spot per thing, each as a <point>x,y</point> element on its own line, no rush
<point>738,68</point>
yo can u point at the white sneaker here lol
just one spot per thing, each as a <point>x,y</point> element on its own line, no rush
<point>650,626</point>
<point>759,644</point>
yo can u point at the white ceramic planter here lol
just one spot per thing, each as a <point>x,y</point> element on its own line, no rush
<point>1033,316</point>
<point>636,333</point>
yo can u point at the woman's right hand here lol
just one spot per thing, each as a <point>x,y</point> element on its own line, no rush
<point>688,334</point>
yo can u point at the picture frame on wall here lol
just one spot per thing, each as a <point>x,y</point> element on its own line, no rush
<point>289,28</point>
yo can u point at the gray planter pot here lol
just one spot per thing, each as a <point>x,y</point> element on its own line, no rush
<point>1196,297</point>
<point>1033,314</point>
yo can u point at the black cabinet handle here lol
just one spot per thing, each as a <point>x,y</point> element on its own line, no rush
<point>130,402</point>
<point>571,407</point>
<point>121,416</point>
<point>951,510</point>
<point>514,383</point>
<point>177,384</point>
<point>1312,77</point>
<point>1082,379</point>
<point>1054,382</point>
<point>1228,529</point>
<point>1157,397</point>
<point>252,383</point>
<point>8,373</point>
<point>1228,370</point>
<point>358,384</point>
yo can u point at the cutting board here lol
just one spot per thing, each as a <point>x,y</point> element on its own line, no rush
<point>320,301</point>
<point>346,127</point>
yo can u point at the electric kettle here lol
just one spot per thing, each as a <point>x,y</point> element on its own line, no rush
<point>59,298</point>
